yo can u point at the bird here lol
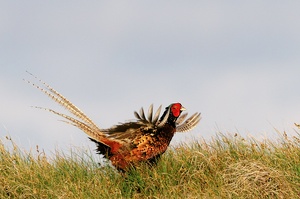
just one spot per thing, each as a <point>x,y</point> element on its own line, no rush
<point>126,144</point>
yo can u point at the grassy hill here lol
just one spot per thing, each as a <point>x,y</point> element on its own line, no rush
<point>228,166</point>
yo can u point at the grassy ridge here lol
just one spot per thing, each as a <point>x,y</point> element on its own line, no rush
<point>226,167</point>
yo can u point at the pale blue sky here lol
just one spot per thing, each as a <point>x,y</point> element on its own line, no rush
<point>235,62</point>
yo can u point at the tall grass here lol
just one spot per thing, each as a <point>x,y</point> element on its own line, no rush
<point>228,166</point>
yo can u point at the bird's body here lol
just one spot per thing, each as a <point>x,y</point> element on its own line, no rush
<point>127,144</point>
<point>139,143</point>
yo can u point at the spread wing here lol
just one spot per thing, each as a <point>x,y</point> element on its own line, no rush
<point>182,125</point>
<point>188,124</point>
<point>126,131</point>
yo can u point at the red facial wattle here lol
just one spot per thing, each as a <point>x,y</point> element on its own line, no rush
<point>176,109</point>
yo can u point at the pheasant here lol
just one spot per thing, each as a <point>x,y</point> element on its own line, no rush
<point>129,143</point>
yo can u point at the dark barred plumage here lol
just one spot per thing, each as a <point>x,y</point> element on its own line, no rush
<point>129,143</point>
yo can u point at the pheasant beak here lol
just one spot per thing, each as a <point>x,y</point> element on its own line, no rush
<point>182,109</point>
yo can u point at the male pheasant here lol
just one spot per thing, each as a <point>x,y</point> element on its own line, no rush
<point>129,143</point>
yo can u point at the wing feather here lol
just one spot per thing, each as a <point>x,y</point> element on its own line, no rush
<point>150,113</point>
<point>156,115</point>
<point>190,123</point>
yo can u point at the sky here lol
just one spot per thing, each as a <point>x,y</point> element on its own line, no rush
<point>236,62</point>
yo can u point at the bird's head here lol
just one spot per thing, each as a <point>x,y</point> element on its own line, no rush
<point>171,114</point>
<point>176,109</point>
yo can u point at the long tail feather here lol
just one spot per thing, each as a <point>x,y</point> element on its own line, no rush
<point>97,135</point>
<point>63,101</point>
<point>79,120</point>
